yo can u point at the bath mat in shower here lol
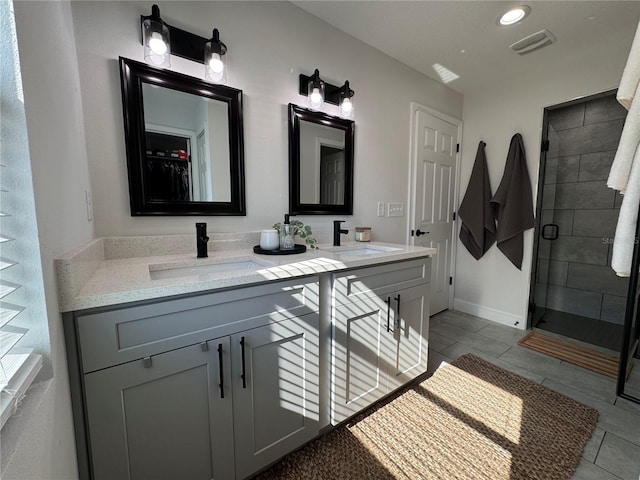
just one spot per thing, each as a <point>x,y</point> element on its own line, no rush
<point>571,352</point>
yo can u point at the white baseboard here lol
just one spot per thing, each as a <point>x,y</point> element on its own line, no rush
<point>491,314</point>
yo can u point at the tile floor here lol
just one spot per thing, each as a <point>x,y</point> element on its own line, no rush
<point>614,450</point>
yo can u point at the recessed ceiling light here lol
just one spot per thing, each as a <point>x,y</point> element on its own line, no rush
<point>513,15</point>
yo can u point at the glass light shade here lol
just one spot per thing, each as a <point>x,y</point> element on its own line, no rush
<point>215,59</point>
<point>316,94</point>
<point>157,45</point>
<point>346,108</point>
<point>215,64</point>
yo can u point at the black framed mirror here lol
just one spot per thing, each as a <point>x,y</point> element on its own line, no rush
<point>320,163</point>
<point>184,141</point>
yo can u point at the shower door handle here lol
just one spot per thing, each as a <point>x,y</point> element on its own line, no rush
<point>550,231</point>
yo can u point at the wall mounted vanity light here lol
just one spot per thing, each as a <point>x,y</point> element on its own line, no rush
<point>315,91</point>
<point>156,40</point>
<point>320,92</point>
<point>215,63</point>
<point>345,102</point>
<point>162,40</point>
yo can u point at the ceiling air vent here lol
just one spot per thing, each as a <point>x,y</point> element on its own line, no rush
<point>533,42</point>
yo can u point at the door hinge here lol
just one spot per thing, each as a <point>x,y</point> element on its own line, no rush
<point>545,145</point>
<point>454,215</point>
<point>450,280</point>
<point>457,147</point>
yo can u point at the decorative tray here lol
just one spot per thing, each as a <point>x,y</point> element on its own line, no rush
<point>296,249</point>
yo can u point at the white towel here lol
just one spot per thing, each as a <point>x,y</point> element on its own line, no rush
<point>627,91</point>
<point>626,229</point>
<point>631,74</point>
<point>621,167</point>
<point>625,170</point>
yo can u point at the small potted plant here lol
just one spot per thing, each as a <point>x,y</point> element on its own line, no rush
<point>301,231</point>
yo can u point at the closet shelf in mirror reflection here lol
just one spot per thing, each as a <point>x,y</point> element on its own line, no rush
<point>155,157</point>
<point>183,154</point>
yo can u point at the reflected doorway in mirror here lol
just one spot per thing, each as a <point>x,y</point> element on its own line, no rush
<point>321,159</point>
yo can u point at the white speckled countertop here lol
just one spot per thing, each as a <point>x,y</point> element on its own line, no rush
<point>111,271</point>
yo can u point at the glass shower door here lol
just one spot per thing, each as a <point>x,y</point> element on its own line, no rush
<point>575,292</point>
<point>546,229</point>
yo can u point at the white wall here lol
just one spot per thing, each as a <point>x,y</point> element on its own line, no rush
<point>219,176</point>
<point>492,287</point>
<point>42,444</point>
<point>270,44</point>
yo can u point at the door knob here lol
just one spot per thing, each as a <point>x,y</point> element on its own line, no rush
<point>419,232</point>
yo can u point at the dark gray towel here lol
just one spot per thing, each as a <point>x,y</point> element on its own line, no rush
<point>478,230</point>
<point>513,203</point>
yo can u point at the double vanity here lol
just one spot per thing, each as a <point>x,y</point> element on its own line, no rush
<point>215,368</point>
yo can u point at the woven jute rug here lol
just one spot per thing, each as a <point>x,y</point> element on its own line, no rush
<point>470,420</point>
<point>573,353</point>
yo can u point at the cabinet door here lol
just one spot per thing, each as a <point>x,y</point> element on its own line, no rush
<point>361,342</point>
<point>411,319</point>
<point>163,417</point>
<point>275,391</point>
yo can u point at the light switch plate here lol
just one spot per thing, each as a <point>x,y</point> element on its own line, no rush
<point>381,209</point>
<point>396,209</point>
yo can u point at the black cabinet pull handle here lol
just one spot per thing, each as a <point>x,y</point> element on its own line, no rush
<point>397,322</point>
<point>221,370</point>
<point>388,302</point>
<point>243,376</point>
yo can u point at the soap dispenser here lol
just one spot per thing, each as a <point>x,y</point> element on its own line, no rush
<point>287,234</point>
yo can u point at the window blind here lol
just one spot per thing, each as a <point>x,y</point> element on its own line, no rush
<point>18,366</point>
<point>18,230</point>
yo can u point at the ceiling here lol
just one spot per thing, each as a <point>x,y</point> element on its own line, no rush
<point>463,35</point>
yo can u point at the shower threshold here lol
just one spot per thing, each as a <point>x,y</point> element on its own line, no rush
<point>588,330</point>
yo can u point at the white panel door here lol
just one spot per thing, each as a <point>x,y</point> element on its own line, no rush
<point>435,162</point>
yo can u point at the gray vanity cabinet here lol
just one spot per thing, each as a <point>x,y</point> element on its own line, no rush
<point>380,332</point>
<point>210,386</point>
<point>164,417</point>
<point>410,335</point>
<point>275,391</point>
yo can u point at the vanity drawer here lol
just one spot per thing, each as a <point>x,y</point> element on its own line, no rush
<point>370,282</point>
<point>116,336</point>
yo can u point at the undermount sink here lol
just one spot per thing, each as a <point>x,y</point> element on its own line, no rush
<point>159,272</point>
<point>350,251</point>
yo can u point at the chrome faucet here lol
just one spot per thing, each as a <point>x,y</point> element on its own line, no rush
<point>337,231</point>
<point>201,239</point>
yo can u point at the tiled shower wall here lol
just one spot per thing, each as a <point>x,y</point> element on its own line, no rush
<point>583,140</point>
